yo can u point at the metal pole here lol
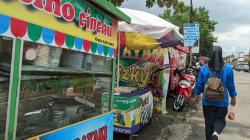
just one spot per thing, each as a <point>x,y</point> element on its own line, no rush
<point>190,20</point>
<point>14,90</point>
<point>191,11</point>
<point>118,60</point>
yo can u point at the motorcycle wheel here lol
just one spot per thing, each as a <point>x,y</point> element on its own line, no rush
<point>179,103</point>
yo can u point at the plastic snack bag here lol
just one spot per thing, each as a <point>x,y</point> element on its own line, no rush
<point>231,113</point>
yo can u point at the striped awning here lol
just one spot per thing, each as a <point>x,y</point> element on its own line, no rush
<point>15,28</point>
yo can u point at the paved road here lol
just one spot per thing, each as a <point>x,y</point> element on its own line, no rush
<point>189,124</point>
<point>239,129</point>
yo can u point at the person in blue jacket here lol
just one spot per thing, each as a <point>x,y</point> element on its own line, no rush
<point>215,112</point>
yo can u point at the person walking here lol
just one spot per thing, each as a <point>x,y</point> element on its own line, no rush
<point>216,82</point>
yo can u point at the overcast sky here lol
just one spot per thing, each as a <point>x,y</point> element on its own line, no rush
<point>233,17</point>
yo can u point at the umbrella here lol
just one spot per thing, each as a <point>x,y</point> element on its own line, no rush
<point>147,31</point>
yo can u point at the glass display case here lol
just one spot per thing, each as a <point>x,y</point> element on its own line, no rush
<point>6,45</point>
<point>61,69</point>
<point>58,87</point>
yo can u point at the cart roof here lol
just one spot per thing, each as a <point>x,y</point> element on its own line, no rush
<point>112,10</point>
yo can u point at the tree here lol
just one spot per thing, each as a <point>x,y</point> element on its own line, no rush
<point>170,4</point>
<point>200,15</point>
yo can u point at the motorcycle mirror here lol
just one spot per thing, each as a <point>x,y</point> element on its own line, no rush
<point>176,71</point>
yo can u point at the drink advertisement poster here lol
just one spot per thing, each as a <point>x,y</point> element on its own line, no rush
<point>97,128</point>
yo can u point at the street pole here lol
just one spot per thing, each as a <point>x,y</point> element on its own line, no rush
<point>190,21</point>
<point>191,11</point>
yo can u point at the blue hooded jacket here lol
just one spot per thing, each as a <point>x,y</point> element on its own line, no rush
<point>227,78</point>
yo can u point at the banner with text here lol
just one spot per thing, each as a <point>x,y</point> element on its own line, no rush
<point>142,74</point>
<point>132,112</point>
<point>72,17</point>
<point>191,35</point>
<point>98,128</point>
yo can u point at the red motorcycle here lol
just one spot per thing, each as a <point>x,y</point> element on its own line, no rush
<point>185,87</point>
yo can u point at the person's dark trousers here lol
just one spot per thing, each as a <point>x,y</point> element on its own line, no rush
<point>215,120</point>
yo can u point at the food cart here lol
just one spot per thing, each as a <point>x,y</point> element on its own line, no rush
<point>141,86</point>
<point>57,68</point>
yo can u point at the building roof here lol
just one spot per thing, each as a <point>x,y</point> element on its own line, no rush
<point>111,9</point>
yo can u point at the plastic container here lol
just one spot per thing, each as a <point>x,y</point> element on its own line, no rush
<point>73,59</point>
<point>47,56</point>
<point>101,64</point>
<point>54,56</point>
<point>88,62</point>
<point>42,56</point>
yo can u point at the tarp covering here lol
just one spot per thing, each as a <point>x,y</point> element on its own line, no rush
<point>147,31</point>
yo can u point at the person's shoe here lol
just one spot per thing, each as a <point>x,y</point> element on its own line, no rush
<point>215,136</point>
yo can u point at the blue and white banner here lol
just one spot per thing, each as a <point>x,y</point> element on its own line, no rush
<point>98,128</point>
<point>191,35</point>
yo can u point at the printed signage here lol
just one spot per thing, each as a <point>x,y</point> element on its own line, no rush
<point>140,74</point>
<point>130,113</point>
<point>98,128</point>
<point>191,35</point>
<point>73,17</point>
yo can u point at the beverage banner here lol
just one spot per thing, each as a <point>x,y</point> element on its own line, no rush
<point>142,74</point>
<point>134,112</point>
<point>98,128</point>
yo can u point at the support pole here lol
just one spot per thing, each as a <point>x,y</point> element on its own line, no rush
<point>14,90</point>
<point>191,11</point>
<point>118,60</point>
<point>190,21</point>
<point>130,136</point>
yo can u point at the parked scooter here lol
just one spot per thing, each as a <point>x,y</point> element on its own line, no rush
<point>185,87</point>
<point>196,67</point>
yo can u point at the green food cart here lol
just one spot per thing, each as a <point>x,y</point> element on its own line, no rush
<point>57,65</point>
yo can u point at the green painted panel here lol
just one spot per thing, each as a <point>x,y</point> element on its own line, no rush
<point>70,40</point>
<point>34,32</point>
<point>93,47</point>
<point>113,84</point>
<point>126,103</point>
<point>105,50</point>
<point>15,84</point>
<point>113,10</point>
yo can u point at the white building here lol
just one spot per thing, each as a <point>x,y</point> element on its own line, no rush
<point>239,56</point>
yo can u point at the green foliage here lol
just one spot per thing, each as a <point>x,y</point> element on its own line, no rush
<point>200,15</point>
<point>170,4</point>
<point>116,2</point>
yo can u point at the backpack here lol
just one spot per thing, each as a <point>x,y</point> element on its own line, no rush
<point>214,90</point>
